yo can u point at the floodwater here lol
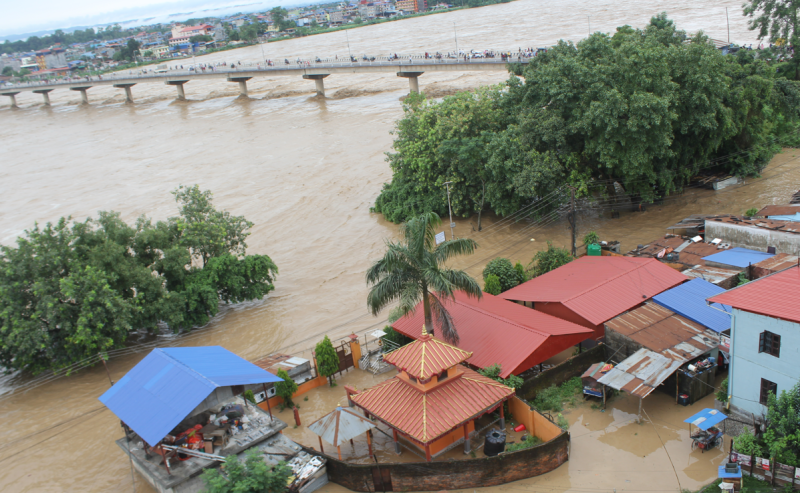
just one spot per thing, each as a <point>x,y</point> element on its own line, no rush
<point>305,170</point>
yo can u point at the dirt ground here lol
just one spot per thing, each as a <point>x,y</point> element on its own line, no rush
<point>610,451</point>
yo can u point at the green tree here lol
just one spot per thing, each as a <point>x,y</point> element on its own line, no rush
<point>776,21</point>
<point>279,15</point>
<point>547,260</point>
<point>491,284</point>
<point>327,359</point>
<point>782,426</point>
<point>253,475</point>
<point>506,274</point>
<point>7,70</point>
<point>201,38</point>
<point>286,388</point>
<point>71,290</point>
<point>249,32</point>
<point>413,271</point>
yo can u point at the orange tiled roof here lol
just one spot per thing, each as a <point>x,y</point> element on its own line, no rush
<point>426,357</point>
<point>426,416</point>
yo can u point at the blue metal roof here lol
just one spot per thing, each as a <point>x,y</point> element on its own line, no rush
<point>163,388</point>
<point>706,418</point>
<point>689,301</point>
<point>739,257</point>
<point>791,217</point>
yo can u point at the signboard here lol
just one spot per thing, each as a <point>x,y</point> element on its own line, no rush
<point>440,237</point>
<point>797,473</point>
<point>725,343</point>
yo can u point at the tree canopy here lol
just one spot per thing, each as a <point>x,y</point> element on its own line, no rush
<point>253,475</point>
<point>327,359</point>
<point>645,108</point>
<point>506,274</point>
<point>71,290</point>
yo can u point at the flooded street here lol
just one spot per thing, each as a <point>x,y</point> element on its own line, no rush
<point>306,170</point>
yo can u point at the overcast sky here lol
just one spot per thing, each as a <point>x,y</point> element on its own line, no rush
<point>35,15</point>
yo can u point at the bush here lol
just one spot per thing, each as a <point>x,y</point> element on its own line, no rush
<point>547,260</point>
<point>530,441</point>
<point>591,238</point>
<point>327,359</point>
<point>251,476</point>
<point>553,398</point>
<point>751,212</point>
<point>507,275</point>
<point>493,372</point>
<point>248,394</point>
<point>395,337</point>
<point>722,393</point>
<point>492,285</point>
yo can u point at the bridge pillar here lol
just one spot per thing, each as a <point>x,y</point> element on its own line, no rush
<point>82,89</point>
<point>178,85</point>
<point>128,92</point>
<point>45,94</point>
<point>317,78</point>
<point>413,80</point>
<point>13,96</point>
<point>242,84</point>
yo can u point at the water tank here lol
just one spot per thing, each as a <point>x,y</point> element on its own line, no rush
<point>495,443</point>
<point>593,250</point>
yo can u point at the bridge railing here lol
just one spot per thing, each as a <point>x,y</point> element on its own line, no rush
<point>278,66</point>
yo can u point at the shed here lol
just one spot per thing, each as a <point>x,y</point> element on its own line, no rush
<point>170,384</point>
<point>497,331</point>
<point>592,290</point>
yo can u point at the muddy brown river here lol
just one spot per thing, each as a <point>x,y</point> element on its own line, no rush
<point>305,170</point>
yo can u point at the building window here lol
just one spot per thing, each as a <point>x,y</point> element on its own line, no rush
<point>769,343</point>
<point>766,388</point>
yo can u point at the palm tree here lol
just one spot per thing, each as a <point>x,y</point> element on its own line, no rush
<point>413,270</point>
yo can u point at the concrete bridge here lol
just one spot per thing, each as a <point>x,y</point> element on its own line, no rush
<point>317,72</point>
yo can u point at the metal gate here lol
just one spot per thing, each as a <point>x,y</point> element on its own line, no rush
<point>345,357</point>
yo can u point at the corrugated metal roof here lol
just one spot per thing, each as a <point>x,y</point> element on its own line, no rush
<point>777,263</point>
<point>163,388</point>
<point>779,210</point>
<point>340,426</point>
<point>689,252</point>
<point>641,373</point>
<point>663,331</point>
<point>599,288</point>
<point>706,418</point>
<point>502,332</point>
<point>774,295</point>
<point>689,300</point>
<point>425,357</point>
<point>778,226</point>
<point>738,257</point>
<point>424,417</point>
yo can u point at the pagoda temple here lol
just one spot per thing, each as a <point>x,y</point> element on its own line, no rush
<point>434,400</point>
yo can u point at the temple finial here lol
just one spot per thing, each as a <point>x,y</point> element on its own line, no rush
<point>424,332</point>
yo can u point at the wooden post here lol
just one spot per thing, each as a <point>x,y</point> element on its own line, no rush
<point>266,398</point>
<point>640,409</point>
<point>396,442</point>
<point>164,455</point>
<point>339,449</point>
<point>752,463</point>
<point>502,417</point>
<point>320,445</point>
<point>604,396</point>
<point>428,453</point>
<point>369,441</point>
<point>466,438</point>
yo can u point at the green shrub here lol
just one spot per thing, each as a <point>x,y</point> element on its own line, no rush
<point>553,398</point>
<point>591,238</point>
<point>286,388</point>
<point>747,443</point>
<point>491,285</point>
<point>530,441</point>
<point>395,337</point>
<point>507,275</point>
<point>722,393</point>
<point>248,394</point>
<point>751,212</point>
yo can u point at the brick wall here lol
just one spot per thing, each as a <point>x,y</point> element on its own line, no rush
<point>450,475</point>
<point>619,346</point>
<point>573,367</point>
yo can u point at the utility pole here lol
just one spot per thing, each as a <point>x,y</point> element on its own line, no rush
<point>456,36</point>
<point>452,224</point>
<point>729,25</point>
<point>572,219</point>
<point>348,46</point>
<point>589,20</point>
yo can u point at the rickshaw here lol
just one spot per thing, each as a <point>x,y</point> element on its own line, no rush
<point>707,435</point>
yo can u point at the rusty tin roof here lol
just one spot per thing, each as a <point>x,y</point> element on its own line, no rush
<point>340,426</point>
<point>779,210</point>
<point>641,373</point>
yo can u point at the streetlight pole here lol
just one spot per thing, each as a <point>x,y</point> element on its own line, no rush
<point>450,209</point>
<point>456,36</point>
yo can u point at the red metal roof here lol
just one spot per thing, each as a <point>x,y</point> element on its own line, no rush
<point>503,332</point>
<point>426,416</point>
<point>774,295</point>
<point>426,357</point>
<point>599,288</point>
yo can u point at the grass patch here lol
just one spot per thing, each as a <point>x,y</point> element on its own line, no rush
<point>530,441</point>
<point>554,398</point>
<point>749,485</point>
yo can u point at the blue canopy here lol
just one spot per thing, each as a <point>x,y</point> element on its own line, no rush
<point>739,257</point>
<point>787,217</point>
<point>689,301</point>
<point>706,418</point>
<point>163,388</point>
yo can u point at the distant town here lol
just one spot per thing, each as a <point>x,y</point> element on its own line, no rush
<point>97,50</point>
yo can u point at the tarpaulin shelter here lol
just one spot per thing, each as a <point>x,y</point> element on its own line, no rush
<point>170,383</point>
<point>340,426</point>
<point>706,418</point>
